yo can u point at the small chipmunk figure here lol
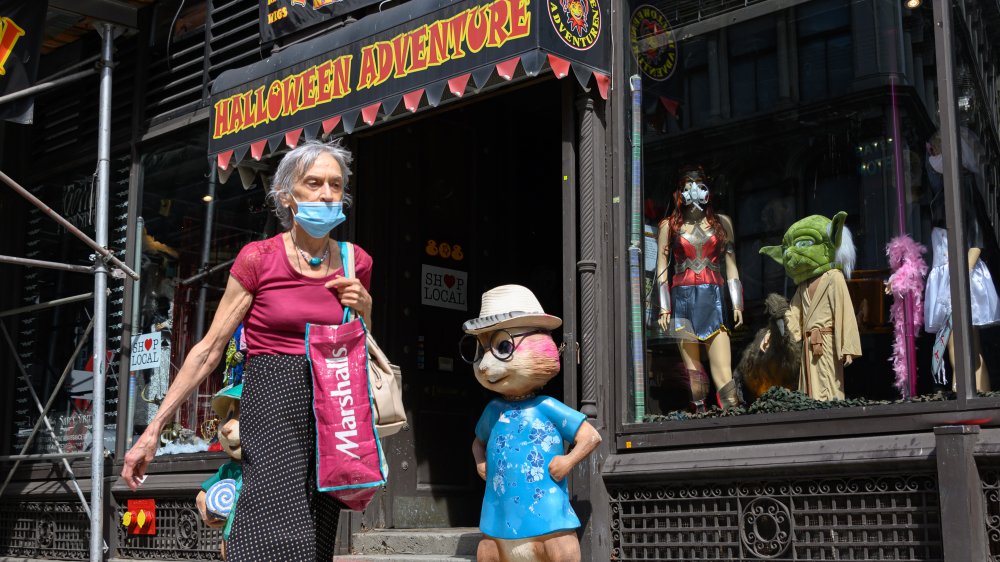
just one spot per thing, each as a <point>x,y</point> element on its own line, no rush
<point>519,446</point>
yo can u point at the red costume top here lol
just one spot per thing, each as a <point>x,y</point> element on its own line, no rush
<point>697,257</point>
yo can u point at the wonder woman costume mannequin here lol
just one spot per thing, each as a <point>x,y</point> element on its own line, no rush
<point>691,299</point>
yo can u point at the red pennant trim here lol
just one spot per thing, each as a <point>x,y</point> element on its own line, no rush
<point>330,124</point>
<point>559,66</point>
<point>371,112</point>
<point>671,105</point>
<point>257,149</point>
<point>506,69</point>
<point>412,99</point>
<point>603,83</point>
<point>223,159</point>
<point>457,84</point>
<point>292,138</point>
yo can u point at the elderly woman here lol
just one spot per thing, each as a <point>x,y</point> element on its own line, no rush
<point>276,286</point>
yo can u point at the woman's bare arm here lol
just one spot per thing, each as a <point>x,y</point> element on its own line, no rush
<point>199,363</point>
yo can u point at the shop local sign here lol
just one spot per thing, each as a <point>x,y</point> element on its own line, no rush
<point>444,288</point>
<point>145,352</point>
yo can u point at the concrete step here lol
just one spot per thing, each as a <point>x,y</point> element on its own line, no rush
<point>457,541</point>
<point>404,558</point>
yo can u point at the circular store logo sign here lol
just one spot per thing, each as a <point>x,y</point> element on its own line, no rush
<point>578,22</point>
<point>653,44</point>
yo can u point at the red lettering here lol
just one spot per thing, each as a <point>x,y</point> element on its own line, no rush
<point>476,30</point>
<point>10,32</point>
<point>324,72</point>
<point>400,50</point>
<point>342,76</point>
<point>221,118</point>
<point>499,14</point>
<point>456,34</point>
<point>385,61</point>
<point>369,70</point>
<point>418,49</point>
<point>520,18</point>
<point>237,111</point>
<point>274,101</point>
<point>437,50</point>
<point>260,105</point>
<point>291,99</point>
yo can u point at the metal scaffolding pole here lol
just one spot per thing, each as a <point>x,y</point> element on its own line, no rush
<point>100,301</point>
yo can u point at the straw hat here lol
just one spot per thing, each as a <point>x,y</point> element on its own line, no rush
<point>510,305</point>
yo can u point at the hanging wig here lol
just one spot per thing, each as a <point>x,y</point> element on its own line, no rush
<point>676,217</point>
<point>847,253</point>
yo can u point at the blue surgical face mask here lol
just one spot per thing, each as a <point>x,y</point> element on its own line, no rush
<point>318,218</point>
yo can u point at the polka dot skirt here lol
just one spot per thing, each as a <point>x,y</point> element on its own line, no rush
<point>280,515</point>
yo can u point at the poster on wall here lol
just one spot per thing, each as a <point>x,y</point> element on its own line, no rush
<point>145,352</point>
<point>22,25</point>
<point>283,17</point>
<point>444,288</point>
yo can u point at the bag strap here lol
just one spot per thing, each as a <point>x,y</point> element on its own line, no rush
<point>347,260</point>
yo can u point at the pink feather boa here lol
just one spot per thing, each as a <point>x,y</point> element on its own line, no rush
<point>906,282</point>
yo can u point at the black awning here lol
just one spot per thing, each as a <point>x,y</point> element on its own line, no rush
<point>411,56</point>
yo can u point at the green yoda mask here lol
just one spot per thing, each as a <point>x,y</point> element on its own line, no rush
<point>810,247</point>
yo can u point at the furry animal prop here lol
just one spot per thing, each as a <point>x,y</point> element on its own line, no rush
<point>519,447</point>
<point>773,357</point>
<point>906,284</point>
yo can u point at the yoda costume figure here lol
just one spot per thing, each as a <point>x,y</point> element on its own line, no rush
<point>818,254</point>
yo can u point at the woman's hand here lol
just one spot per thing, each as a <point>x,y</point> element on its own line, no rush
<point>203,511</point>
<point>738,317</point>
<point>352,294</point>
<point>139,457</point>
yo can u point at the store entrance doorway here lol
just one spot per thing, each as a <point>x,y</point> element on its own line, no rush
<point>451,205</point>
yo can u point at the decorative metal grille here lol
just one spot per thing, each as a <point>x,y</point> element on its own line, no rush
<point>48,530</point>
<point>180,535</point>
<point>873,518</point>
<point>991,496</point>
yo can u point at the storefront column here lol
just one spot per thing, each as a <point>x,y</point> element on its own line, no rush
<point>591,154</point>
<point>963,513</point>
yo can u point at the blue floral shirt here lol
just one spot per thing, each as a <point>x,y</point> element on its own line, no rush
<point>522,500</point>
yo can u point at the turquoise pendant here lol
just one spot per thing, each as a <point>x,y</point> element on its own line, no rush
<point>315,261</point>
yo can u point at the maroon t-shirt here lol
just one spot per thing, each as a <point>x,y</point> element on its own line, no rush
<point>284,300</point>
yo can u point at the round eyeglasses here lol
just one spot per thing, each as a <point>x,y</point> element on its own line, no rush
<point>503,344</point>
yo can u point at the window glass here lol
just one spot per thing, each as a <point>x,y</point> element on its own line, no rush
<point>179,291</point>
<point>790,148</point>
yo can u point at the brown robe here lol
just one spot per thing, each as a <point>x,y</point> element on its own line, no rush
<point>824,321</point>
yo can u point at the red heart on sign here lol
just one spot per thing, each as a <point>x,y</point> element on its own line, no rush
<point>148,343</point>
<point>449,280</point>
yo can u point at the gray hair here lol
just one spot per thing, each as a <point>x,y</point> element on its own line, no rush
<point>296,163</point>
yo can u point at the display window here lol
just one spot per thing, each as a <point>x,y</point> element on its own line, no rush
<point>181,283</point>
<point>789,232</point>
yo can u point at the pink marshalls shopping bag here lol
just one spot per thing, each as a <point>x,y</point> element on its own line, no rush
<point>349,461</point>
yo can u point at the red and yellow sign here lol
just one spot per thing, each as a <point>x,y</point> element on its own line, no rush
<point>10,32</point>
<point>486,26</point>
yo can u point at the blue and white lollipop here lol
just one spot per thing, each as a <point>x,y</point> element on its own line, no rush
<point>220,498</point>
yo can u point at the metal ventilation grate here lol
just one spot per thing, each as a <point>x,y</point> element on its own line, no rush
<point>876,518</point>
<point>233,35</point>
<point>47,530</point>
<point>180,534</point>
